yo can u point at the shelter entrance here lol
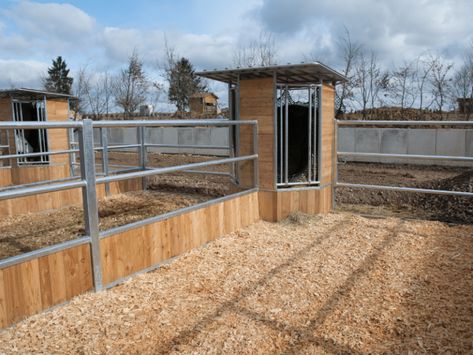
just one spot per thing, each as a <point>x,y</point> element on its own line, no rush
<point>298,117</point>
<point>30,140</point>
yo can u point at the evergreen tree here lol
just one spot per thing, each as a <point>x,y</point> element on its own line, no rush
<point>58,79</point>
<point>183,83</point>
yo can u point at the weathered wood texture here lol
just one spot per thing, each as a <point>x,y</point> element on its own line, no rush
<point>5,177</point>
<point>58,199</point>
<point>328,129</point>
<point>32,286</point>
<point>132,251</point>
<point>57,110</point>
<point>276,206</point>
<point>257,103</point>
<point>41,283</point>
<point>27,174</point>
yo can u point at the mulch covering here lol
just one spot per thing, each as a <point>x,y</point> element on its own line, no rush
<point>334,284</point>
<point>27,232</point>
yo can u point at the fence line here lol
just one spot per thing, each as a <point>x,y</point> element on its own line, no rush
<point>88,178</point>
<point>401,156</point>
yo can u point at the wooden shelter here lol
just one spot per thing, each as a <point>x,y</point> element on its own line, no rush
<point>294,107</point>
<point>21,105</point>
<point>203,102</point>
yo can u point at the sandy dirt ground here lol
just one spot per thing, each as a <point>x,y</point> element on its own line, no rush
<point>24,233</point>
<point>407,204</point>
<point>335,284</point>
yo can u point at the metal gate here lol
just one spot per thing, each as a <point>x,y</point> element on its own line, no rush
<point>298,122</point>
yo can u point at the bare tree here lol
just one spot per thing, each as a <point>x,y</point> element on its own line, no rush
<point>350,52</point>
<point>258,52</point>
<point>94,91</point>
<point>402,85</point>
<point>440,82</point>
<point>379,80</point>
<point>370,81</point>
<point>422,73</point>
<point>131,86</point>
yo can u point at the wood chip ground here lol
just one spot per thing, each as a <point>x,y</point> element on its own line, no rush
<point>324,285</point>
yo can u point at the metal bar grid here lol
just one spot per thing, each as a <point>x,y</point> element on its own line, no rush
<point>339,123</point>
<point>88,181</point>
<point>282,133</point>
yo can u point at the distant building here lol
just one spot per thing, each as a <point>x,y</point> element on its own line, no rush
<point>203,102</point>
<point>465,105</point>
<point>146,110</point>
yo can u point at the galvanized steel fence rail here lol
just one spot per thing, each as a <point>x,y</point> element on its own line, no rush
<point>357,123</point>
<point>89,177</point>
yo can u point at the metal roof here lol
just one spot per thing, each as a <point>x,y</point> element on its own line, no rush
<point>303,73</point>
<point>24,92</point>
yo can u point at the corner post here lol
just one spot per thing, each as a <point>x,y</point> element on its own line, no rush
<point>89,197</point>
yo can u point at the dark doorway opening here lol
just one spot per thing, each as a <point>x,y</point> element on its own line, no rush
<point>30,140</point>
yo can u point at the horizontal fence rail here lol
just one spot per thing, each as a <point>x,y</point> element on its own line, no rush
<point>403,123</point>
<point>86,150</point>
<point>384,123</point>
<point>406,156</point>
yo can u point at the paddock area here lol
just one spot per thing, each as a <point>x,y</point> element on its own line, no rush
<point>338,283</point>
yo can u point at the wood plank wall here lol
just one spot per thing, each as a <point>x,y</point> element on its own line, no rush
<point>257,103</point>
<point>5,177</point>
<point>131,251</point>
<point>58,110</point>
<point>328,131</point>
<point>41,283</point>
<point>276,206</point>
<point>32,286</point>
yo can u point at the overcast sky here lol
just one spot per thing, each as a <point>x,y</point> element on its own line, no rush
<point>102,34</point>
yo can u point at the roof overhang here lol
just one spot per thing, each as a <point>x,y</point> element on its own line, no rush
<point>304,73</point>
<point>34,94</point>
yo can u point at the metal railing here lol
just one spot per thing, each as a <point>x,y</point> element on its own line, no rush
<point>354,123</point>
<point>89,178</point>
<point>311,96</point>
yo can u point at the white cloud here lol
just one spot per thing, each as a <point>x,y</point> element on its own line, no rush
<point>51,19</point>
<point>396,30</point>
<point>45,28</point>
<point>31,34</point>
<point>21,73</point>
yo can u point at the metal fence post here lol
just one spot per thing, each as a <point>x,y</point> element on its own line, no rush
<point>256,161</point>
<point>320,123</point>
<point>334,164</point>
<point>89,197</point>
<point>142,143</point>
<point>104,144</point>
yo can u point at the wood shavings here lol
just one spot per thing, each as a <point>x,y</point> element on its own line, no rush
<point>334,284</point>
